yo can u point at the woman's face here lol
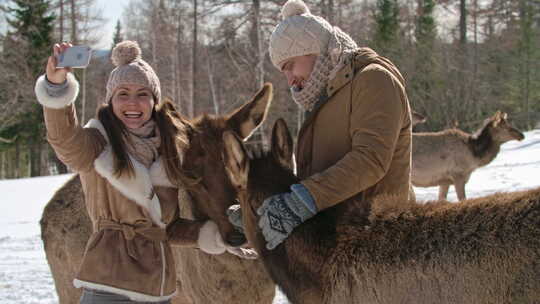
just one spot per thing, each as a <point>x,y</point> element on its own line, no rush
<point>133,105</point>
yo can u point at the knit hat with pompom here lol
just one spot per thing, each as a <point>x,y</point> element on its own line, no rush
<point>299,33</point>
<point>131,69</point>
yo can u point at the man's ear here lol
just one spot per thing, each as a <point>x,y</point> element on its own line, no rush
<point>235,159</point>
<point>247,118</point>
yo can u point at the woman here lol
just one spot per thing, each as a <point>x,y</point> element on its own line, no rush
<point>129,162</point>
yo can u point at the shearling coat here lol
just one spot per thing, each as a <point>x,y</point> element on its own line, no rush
<point>128,252</point>
<point>358,143</point>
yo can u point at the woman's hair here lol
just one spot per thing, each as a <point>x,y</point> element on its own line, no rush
<point>173,130</point>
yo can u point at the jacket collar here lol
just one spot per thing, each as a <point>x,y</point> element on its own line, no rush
<point>342,78</point>
<point>138,188</point>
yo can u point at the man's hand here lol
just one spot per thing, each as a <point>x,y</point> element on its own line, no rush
<point>57,75</point>
<point>281,213</point>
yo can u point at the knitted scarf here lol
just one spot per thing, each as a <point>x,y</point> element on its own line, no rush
<point>143,143</point>
<point>339,53</point>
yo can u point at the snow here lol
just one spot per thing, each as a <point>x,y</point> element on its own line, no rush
<point>24,272</point>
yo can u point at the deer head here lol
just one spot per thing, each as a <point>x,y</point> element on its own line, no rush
<point>501,130</point>
<point>258,178</point>
<point>203,159</point>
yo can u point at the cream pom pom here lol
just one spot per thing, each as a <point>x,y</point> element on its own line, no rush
<point>293,8</point>
<point>125,52</point>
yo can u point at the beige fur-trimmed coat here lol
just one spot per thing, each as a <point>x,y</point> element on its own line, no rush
<point>129,252</point>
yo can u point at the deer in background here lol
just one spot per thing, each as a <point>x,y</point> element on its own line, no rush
<point>417,118</point>
<point>450,157</point>
<point>480,251</point>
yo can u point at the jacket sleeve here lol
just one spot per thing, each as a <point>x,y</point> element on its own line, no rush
<point>376,118</point>
<point>75,146</point>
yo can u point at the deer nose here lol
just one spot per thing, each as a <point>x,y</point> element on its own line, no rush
<point>236,238</point>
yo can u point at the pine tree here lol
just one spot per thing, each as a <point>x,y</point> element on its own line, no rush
<point>32,23</point>
<point>117,34</point>
<point>387,25</point>
<point>28,44</point>
<point>425,75</point>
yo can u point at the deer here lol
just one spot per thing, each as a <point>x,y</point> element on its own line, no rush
<point>483,250</point>
<point>450,157</point>
<point>417,118</point>
<point>201,278</point>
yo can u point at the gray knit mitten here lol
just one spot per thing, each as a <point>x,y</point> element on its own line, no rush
<point>281,213</point>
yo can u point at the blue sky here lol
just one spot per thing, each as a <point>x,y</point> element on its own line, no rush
<point>112,11</point>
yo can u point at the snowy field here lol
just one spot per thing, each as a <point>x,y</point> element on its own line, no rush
<point>24,273</point>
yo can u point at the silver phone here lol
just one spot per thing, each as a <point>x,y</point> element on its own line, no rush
<point>75,57</point>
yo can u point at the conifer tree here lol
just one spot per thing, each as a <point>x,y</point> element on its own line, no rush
<point>117,34</point>
<point>387,25</point>
<point>27,45</point>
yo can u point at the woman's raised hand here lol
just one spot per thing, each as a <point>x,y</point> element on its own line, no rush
<point>57,75</point>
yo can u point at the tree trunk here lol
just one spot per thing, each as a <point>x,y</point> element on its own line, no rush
<point>83,103</point>
<point>74,39</point>
<point>17,166</point>
<point>178,82</point>
<point>526,48</point>
<point>213,92</point>
<point>61,20</point>
<point>463,21</point>
<point>257,43</point>
<point>191,108</point>
<point>330,10</point>
<point>3,164</point>
<point>35,157</point>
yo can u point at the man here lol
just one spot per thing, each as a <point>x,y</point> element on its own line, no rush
<point>355,143</point>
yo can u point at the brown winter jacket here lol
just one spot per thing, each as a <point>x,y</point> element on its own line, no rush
<point>358,143</point>
<point>128,253</point>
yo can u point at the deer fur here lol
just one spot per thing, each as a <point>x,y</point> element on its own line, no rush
<point>201,278</point>
<point>485,250</point>
<point>451,156</point>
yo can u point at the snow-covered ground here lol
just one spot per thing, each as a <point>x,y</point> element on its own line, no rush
<point>24,273</point>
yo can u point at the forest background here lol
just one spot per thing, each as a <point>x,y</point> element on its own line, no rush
<point>462,59</point>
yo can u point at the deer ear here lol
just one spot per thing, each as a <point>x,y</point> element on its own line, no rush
<point>235,159</point>
<point>496,119</point>
<point>418,118</point>
<point>504,116</point>
<point>248,117</point>
<point>282,144</point>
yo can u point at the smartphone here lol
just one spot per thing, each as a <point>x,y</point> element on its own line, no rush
<point>75,57</point>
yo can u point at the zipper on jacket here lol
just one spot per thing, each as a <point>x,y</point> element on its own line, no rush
<point>163,265</point>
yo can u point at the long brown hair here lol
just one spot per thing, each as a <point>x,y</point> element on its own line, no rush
<point>174,135</point>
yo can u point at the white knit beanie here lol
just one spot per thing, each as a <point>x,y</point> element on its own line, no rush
<point>299,33</point>
<point>131,69</point>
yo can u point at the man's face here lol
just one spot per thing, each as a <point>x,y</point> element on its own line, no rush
<point>298,69</point>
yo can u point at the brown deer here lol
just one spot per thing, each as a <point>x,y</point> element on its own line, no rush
<point>202,278</point>
<point>450,157</point>
<point>480,251</point>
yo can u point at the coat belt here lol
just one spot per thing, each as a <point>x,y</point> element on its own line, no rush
<point>129,231</point>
